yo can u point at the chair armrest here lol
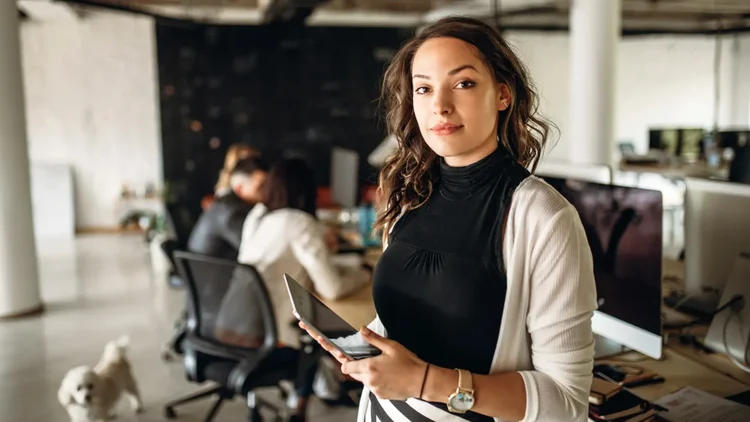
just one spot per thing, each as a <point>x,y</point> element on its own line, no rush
<point>239,374</point>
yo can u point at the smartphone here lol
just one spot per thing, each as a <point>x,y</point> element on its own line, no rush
<point>306,307</point>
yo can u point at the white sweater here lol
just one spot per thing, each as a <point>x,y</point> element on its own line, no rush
<point>293,242</point>
<point>545,333</point>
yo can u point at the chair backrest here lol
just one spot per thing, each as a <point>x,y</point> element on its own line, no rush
<point>229,304</point>
<point>169,247</point>
<point>179,223</point>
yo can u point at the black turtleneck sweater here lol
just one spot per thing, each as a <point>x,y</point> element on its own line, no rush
<point>439,287</point>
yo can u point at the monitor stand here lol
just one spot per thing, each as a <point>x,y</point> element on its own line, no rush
<point>604,347</point>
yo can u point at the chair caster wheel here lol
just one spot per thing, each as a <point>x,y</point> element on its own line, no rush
<point>169,413</point>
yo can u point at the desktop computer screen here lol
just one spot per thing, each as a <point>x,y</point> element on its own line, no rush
<point>691,145</point>
<point>739,171</point>
<point>345,177</point>
<point>686,143</point>
<point>624,229</point>
<point>717,231</point>
<point>667,140</point>
<point>733,139</point>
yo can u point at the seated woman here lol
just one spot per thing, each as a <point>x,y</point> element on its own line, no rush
<point>282,235</point>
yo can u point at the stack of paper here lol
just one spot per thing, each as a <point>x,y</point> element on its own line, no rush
<point>691,405</point>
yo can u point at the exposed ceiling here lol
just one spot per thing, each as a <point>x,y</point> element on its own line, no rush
<point>639,16</point>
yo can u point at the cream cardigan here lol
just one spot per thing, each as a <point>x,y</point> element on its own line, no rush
<point>545,334</point>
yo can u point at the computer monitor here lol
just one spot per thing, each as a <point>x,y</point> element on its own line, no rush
<point>624,229</point>
<point>691,144</point>
<point>686,143</point>
<point>667,140</point>
<point>733,139</point>
<point>717,230</point>
<point>344,177</point>
<point>739,171</point>
<point>599,173</point>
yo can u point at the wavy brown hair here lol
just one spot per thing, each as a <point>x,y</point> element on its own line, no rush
<point>407,178</point>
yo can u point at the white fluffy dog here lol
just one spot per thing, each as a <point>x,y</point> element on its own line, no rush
<point>91,394</point>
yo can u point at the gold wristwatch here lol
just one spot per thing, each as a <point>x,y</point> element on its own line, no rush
<point>463,399</point>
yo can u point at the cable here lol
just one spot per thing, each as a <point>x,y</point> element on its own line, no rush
<point>681,325</point>
<point>742,365</point>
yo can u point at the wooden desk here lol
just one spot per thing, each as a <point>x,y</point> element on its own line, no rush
<point>357,309</point>
<point>680,371</point>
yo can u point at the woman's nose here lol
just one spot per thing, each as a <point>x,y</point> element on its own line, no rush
<point>442,103</point>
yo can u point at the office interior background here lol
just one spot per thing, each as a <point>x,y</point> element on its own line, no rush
<point>126,109</point>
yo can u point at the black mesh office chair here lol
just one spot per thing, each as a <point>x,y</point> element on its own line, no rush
<point>231,337</point>
<point>178,223</point>
<point>174,280</point>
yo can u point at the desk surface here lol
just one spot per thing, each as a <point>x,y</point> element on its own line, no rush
<point>680,371</point>
<point>674,272</point>
<point>699,169</point>
<point>357,309</point>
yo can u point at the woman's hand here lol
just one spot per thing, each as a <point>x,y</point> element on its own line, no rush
<point>396,374</point>
<point>325,345</point>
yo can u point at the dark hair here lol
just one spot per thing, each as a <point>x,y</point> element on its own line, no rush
<point>406,180</point>
<point>290,184</point>
<point>247,166</point>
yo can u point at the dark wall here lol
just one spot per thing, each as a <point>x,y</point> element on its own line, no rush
<point>284,90</point>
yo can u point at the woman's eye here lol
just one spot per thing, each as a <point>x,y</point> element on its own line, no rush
<point>422,90</point>
<point>465,84</point>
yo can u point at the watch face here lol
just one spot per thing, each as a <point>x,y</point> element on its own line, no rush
<point>462,401</point>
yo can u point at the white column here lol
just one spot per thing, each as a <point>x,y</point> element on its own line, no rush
<point>734,101</point>
<point>19,284</point>
<point>594,38</point>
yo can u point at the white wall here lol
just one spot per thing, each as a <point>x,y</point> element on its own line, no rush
<point>92,103</point>
<point>661,81</point>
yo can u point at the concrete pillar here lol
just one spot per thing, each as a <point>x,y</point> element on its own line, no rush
<point>19,283</point>
<point>734,101</point>
<point>594,37</point>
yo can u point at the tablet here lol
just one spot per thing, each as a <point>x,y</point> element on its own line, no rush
<point>307,308</point>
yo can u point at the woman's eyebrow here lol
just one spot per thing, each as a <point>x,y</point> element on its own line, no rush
<point>451,73</point>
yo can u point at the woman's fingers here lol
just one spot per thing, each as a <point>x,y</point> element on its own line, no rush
<point>336,353</point>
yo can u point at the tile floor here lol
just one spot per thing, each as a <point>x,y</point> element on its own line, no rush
<point>96,289</point>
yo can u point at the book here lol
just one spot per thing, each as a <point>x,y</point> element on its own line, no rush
<point>623,406</point>
<point>602,390</point>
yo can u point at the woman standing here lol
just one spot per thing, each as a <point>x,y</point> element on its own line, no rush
<point>485,292</point>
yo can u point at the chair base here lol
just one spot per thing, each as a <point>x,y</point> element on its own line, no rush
<point>222,394</point>
<point>255,404</point>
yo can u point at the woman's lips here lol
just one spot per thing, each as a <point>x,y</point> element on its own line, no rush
<point>445,128</point>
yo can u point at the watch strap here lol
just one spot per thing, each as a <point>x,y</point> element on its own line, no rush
<point>465,381</point>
